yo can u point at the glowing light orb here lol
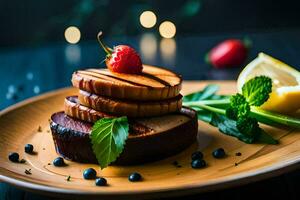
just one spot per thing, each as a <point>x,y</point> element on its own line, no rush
<point>167,29</point>
<point>72,34</point>
<point>148,19</point>
<point>148,46</point>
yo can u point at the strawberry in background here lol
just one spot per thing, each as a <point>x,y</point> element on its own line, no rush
<point>229,53</point>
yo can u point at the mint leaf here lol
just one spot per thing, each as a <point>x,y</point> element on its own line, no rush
<point>248,126</point>
<point>230,127</point>
<point>239,107</point>
<point>108,139</point>
<point>257,90</point>
<point>233,114</point>
<point>265,138</point>
<point>207,93</point>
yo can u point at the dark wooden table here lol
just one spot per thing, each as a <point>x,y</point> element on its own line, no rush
<point>27,72</point>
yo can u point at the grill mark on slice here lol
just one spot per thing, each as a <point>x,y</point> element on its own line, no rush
<point>81,83</point>
<point>89,99</point>
<point>85,73</point>
<point>91,85</point>
<point>88,72</point>
<point>82,112</point>
<point>151,76</point>
<point>170,73</point>
<point>144,74</point>
<point>169,88</point>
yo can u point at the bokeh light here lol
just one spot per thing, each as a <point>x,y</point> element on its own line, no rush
<point>73,54</point>
<point>72,34</point>
<point>148,19</point>
<point>29,76</point>
<point>148,46</point>
<point>191,8</point>
<point>167,29</point>
<point>168,50</point>
<point>36,89</point>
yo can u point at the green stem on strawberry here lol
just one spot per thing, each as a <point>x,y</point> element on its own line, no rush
<point>107,50</point>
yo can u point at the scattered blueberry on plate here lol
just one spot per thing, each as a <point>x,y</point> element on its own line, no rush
<point>198,164</point>
<point>13,157</point>
<point>101,181</point>
<point>89,173</point>
<point>219,153</point>
<point>238,153</point>
<point>28,148</point>
<point>58,162</point>
<point>134,177</point>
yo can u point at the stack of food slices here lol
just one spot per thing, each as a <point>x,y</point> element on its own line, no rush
<point>158,124</point>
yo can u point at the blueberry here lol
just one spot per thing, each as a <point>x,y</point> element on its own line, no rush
<point>101,181</point>
<point>197,164</point>
<point>58,162</point>
<point>28,148</point>
<point>89,173</point>
<point>219,153</point>
<point>13,157</point>
<point>134,177</point>
<point>197,155</point>
<point>238,153</point>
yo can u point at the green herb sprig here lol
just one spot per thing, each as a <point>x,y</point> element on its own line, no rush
<point>238,115</point>
<point>108,139</point>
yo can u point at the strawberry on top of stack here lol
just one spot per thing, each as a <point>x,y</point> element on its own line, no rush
<point>127,88</point>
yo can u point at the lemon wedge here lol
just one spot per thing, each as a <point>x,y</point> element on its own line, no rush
<point>285,96</point>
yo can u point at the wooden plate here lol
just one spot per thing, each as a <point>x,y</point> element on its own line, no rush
<point>19,125</point>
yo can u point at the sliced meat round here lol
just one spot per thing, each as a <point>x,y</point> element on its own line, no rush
<point>130,108</point>
<point>74,109</point>
<point>152,84</point>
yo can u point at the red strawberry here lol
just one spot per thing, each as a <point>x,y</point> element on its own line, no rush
<point>122,59</point>
<point>229,53</point>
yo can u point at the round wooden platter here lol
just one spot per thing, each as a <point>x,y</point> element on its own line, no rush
<point>20,124</point>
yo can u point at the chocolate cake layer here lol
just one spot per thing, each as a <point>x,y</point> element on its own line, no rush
<point>149,138</point>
